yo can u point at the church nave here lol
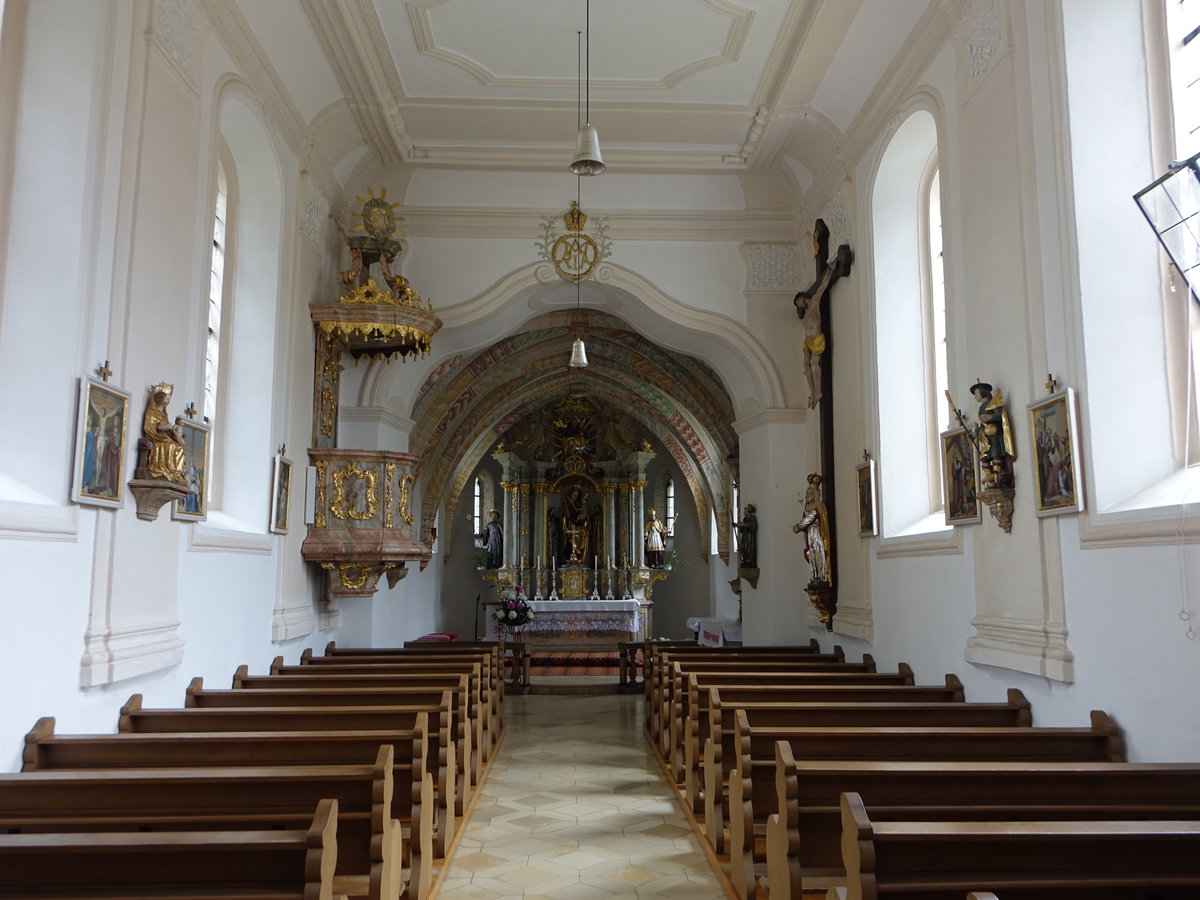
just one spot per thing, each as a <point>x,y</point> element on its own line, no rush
<point>575,805</point>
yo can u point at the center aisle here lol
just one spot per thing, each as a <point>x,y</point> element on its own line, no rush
<point>576,807</point>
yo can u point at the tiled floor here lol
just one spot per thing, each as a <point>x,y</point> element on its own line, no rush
<point>576,807</point>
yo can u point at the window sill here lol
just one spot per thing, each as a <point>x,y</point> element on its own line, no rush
<point>223,533</point>
<point>1165,512</point>
<point>926,537</point>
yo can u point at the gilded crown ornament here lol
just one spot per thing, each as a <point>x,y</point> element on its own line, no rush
<point>573,253</point>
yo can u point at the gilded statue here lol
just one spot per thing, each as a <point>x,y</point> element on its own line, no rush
<point>167,456</point>
<point>815,528</point>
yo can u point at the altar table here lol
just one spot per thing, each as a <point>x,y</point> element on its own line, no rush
<point>580,624</point>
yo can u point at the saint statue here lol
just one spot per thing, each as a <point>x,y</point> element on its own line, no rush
<point>493,541</point>
<point>166,458</point>
<point>574,526</point>
<point>994,437</point>
<point>747,535</point>
<point>815,527</point>
<point>656,540</point>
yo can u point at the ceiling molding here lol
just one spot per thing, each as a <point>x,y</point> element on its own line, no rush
<point>735,39</point>
<point>777,225</point>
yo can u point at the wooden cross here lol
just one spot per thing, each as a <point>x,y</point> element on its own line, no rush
<point>104,372</point>
<point>812,306</point>
<point>191,410</point>
<point>1051,384</point>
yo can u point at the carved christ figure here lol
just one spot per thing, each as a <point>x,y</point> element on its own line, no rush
<point>808,307</point>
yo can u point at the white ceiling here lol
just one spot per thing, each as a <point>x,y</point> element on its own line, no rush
<point>675,84</point>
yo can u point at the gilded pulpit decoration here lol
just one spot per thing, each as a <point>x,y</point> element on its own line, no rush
<point>370,320</point>
<point>360,530</point>
<point>161,474</point>
<point>574,253</point>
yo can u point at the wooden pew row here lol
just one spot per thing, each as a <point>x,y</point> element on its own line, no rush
<point>264,865</point>
<point>370,846</point>
<point>490,677</point>
<point>673,685</point>
<point>414,801</point>
<point>658,672</point>
<point>627,664</point>
<point>676,701</point>
<point>384,668</point>
<point>1020,860</point>
<point>463,731</point>
<point>707,708</point>
<point>752,795</point>
<point>135,719</point>
<point>803,840</point>
<point>722,743</point>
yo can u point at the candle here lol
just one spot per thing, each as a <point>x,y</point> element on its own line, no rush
<point>539,562</point>
<point>596,564</point>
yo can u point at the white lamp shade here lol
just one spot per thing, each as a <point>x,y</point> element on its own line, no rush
<point>578,355</point>
<point>587,159</point>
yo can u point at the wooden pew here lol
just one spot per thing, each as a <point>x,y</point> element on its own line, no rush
<point>658,668</point>
<point>420,660</point>
<point>134,719</point>
<point>464,731</point>
<point>266,865</point>
<point>1024,860</point>
<point>416,665</point>
<point>752,795</point>
<point>627,664</point>
<point>721,743</point>
<point>413,797</point>
<point>803,841</point>
<point>673,674</point>
<point>698,730</point>
<point>370,843</point>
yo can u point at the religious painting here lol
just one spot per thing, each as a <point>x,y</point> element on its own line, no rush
<point>194,507</point>
<point>281,493</point>
<point>1052,429</point>
<point>960,478</point>
<point>864,475</point>
<point>101,433</point>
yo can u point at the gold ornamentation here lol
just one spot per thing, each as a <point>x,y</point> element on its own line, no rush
<point>524,489</point>
<point>510,487</point>
<point>362,505</point>
<point>322,494</point>
<point>575,464</point>
<point>378,216</point>
<point>574,254</point>
<point>328,412</point>
<point>608,487</point>
<point>406,481</point>
<point>389,471</point>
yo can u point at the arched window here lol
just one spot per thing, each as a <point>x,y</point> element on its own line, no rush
<point>669,511</point>
<point>216,293</point>
<point>478,505</point>
<point>910,329</point>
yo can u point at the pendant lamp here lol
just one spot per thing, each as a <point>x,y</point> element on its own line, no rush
<point>587,159</point>
<point>578,351</point>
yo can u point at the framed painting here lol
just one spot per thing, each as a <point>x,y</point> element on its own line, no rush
<point>960,478</point>
<point>101,435</point>
<point>1053,430</point>
<point>281,494</point>
<point>864,475</point>
<point>194,507</point>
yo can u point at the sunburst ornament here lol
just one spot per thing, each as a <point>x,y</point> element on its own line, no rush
<point>378,216</point>
<point>573,253</point>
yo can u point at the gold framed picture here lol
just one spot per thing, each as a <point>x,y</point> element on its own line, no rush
<point>960,478</point>
<point>194,507</point>
<point>101,434</point>
<point>864,475</point>
<point>1058,486</point>
<point>281,493</point>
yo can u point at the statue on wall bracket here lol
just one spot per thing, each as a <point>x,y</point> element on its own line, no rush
<point>161,474</point>
<point>747,546</point>
<point>818,551</point>
<point>996,449</point>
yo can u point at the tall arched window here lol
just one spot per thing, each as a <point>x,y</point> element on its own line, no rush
<point>669,511</point>
<point>910,330</point>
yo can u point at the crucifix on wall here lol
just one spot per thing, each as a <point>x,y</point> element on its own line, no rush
<point>812,306</point>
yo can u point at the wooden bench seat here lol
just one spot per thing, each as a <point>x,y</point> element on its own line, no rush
<point>803,840</point>
<point>135,719</point>
<point>184,865</point>
<point>697,729</point>
<point>417,665</point>
<point>721,743</point>
<point>1023,860</point>
<point>751,791</point>
<point>464,731</point>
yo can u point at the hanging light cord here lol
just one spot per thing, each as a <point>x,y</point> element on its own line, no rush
<point>587,24</point>
<point>578,79</point>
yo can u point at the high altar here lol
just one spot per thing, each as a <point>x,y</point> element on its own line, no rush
<point>574,525</point>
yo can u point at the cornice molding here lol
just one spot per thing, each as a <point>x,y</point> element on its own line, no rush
<point>777,225</point>
<point>234,34</point>
<point>771,416</point>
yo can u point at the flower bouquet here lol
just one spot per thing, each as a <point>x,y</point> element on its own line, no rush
<point>514,614</point>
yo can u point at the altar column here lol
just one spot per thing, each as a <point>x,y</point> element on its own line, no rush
<point>622,552</point>
<point>539,525</point>
<point>510,523</point>
<point>610,522</point>
<point>639,516</point>
<point>523,534</point>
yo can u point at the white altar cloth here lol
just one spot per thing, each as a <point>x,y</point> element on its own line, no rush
<point>584,615</point>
